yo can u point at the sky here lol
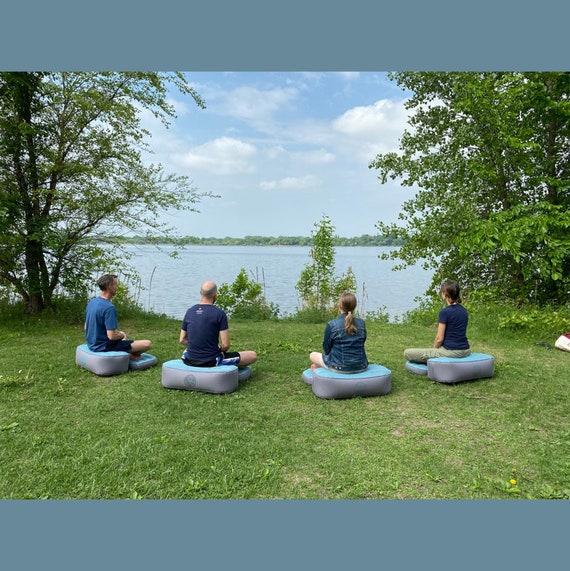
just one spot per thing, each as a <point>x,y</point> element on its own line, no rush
<point>282,150</point>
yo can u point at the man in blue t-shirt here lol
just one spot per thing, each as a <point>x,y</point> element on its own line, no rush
<point>102,325</point>
<point>206,334</point>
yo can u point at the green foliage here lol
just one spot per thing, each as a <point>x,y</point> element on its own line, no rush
<point>314,314</point>
<point>490,156</point>
<point>363,240</point>
<point>318,286</point>
<point>244,299</point>
<point>71,170</point>
<point>379,315</point>
<point>543,321</point>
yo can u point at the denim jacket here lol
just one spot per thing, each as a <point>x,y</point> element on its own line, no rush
<point>342,352</point>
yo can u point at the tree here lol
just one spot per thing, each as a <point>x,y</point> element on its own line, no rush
<point>318,286</point>
<point>489,153</point>
<point>71,169</point>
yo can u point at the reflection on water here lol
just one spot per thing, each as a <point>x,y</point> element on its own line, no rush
<point>171,285</point>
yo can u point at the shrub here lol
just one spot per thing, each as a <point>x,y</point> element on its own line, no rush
<point>244,299</point>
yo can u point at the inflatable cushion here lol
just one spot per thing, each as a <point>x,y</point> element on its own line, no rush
<point>375,381</point>
<point>218,380</point>
<point>145,362</point>
<point>417,368</point>
<point>455,370</point>
<point>107,363</point>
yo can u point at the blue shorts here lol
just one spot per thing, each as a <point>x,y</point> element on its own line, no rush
<point>119,345</point>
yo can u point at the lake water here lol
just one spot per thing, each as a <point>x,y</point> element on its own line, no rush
<point>170,285</point>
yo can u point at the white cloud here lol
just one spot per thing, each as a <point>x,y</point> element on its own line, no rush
<point>368,130</point>
<point>224,156</point>
<point>313,157</point>
<point>290,183</point>
<point>383,117</point>
<point>258,106</point>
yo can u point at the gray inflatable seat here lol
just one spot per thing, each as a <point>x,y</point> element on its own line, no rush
<point>417,368</point>
<point>376,380</point>
<point>145,362</point>
<point>218,380</point>
<point>452,370</point>
<point>107,363</point>
<point>103,363</point>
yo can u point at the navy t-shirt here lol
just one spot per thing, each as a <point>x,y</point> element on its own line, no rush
<point>203,323</point>
<point>455,318</point>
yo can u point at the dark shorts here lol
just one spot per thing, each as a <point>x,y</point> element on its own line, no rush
<point>119,345</point>
<point>229,358</point>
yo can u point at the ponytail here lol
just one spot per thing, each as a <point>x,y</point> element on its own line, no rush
<point>349,326</point>
<point>347,303</point>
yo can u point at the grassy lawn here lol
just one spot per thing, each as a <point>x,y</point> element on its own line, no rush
<point>67,433</point>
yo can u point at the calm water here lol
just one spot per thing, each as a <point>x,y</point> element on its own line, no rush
<point>170,285</point>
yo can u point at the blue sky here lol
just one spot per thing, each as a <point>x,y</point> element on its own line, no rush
<point>282,149</point>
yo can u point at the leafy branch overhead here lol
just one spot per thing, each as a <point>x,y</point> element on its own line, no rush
<point>71,170</point>
<point>489,157</point>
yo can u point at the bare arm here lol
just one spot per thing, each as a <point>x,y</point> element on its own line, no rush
<point>439,336</point>
<point>225,340</point>
<point>183,340</point>
<point>116,335</point>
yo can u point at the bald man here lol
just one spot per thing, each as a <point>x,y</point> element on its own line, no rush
<point>206,334</point>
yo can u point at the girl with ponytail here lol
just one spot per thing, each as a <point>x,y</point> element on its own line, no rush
<point>343,343</point>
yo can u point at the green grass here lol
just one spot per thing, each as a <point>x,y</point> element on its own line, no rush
<point>66,433</point>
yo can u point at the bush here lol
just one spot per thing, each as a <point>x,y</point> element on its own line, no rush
<point>549,321</point>
<point>379,315</point>
<point>244,299</point>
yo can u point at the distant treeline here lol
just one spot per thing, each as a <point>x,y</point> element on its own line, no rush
<point>364,240</point>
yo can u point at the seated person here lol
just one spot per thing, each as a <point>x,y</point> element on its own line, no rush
<point>343,343</point>
<point>451,338</point>
<point>102,326</point>
<point>206,334</point>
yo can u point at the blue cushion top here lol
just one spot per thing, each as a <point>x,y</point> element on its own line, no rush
<point>179,364</point>
<point>371,371</point>
<point>470,358</point>
<point>85,348</point>
<point>420,366</point>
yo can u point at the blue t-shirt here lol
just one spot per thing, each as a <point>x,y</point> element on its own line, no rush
<point>100,315</point>
<point>455,318</point>
<point>203,323</point>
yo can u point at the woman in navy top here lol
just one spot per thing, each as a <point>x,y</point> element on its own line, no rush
<point>451,338</point>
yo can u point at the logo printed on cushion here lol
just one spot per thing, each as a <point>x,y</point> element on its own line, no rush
<point>190,381</point>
